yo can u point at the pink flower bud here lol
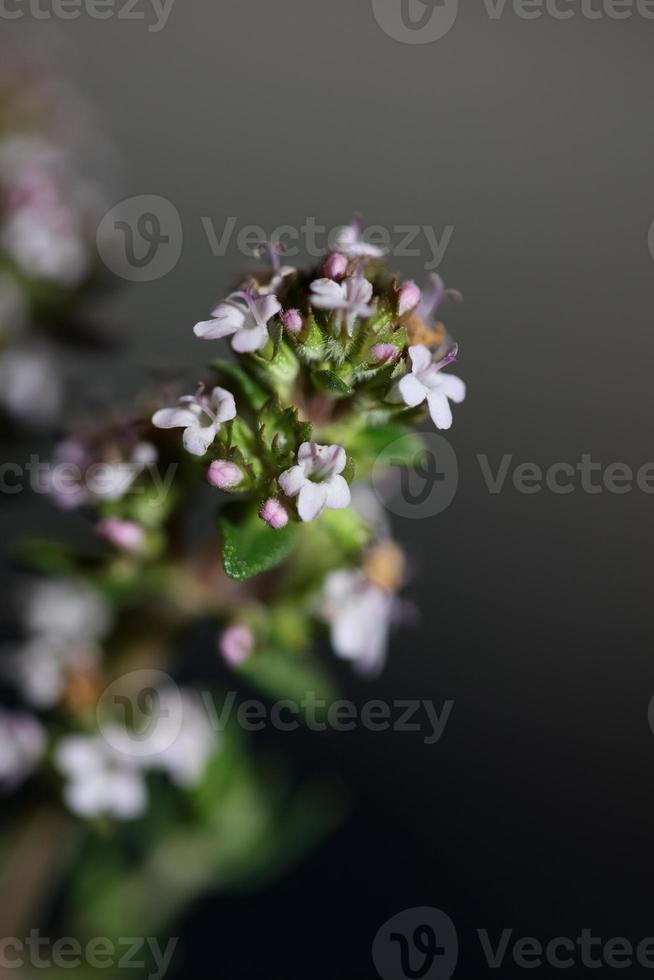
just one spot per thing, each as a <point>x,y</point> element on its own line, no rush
<point>224,475</point>
<point>335,266</point>
<point>236,644</point>
<point>384,353</point>
<point>274,514</point>
<point>293,321</point>
<point>126,535</point>
<point>409,297</point>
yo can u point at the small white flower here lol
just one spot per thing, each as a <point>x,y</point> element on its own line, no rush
<point>184,758</point>
<point>100,780</point>
<point>30,386</point>
<point>246,316</point>
<point>359,614</point>
<point>22,743</point>
<point>47,244</point>
<point>351,297</point>
<point>67,610</point>
<point>64,620</point>
<point>78,476</point>
<point>316,480</point>
<point>201,417</point>
<point>426,381</point>
<point>350,242</point>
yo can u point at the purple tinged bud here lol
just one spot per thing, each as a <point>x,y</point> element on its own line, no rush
<point>384,353</point>
<point>236,644</point>
<point>126,535</point>
<point>274,514</point>
<point>409,297</point>
<point>335,266</point>
<point>224,475</point>
<point>293,321</point>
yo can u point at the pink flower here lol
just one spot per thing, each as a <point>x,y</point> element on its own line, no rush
<point>274,514</point>
<point>293,321</point>
<point>316,480</point>
<point>335,266</point>
<point>224,475</point>
<point>201,417</point>
<point>384,353</point>
<point>427,382</point>
<point>246,316</point>
<point>236,644</point>
<point>350,297</point>
<point>408,298</point>
<point>126,535</point>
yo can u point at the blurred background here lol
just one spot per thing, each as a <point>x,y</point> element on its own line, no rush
<point>532,139</point>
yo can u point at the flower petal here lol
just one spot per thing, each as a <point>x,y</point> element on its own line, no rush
<point>327,294</point>
<point>197,438</point>
<point>439,409</point>
<point>338,493</point>
<point>453,387</point>
<point>420,358</point>
<point>172,418</point>
<point>250,339</point>
<point>267,307</point>
<point>292,481</point>
<point>228,319</point>
<point>312,500</point>
<point>412,390</point>
<point>223,404</point>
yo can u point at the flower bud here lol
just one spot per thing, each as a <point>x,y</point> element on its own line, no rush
<point>335,266</point>
<point>236,644</point>
<point>126,535</point>
<point>408,298</point>
<point>293,321</point>
<point>384,353</point>
<point>274,514</point>
<point>224,475</point>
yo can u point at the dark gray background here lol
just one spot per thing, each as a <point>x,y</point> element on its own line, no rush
<point>535,140</point>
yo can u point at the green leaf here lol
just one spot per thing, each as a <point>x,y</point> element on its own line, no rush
<point>332,382</point>
<point>250,547</point>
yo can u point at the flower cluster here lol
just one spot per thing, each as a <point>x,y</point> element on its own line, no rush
<point>49,211</point>
<point>330,367</point>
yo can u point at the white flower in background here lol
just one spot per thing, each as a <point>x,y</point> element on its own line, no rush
<point>351,297</point>
<point>243,314</point>
<point>280,272</point>
<point>64,621</point>
<point>22,743</point>
<point>44,224</point>
<point>359,614</point>
<point>350,242</point>
<point>47,244</point>
<point>201,417</point>
<point>316,480</point>
<point>100,781</point>
<point>427,382</point>
<point>184,758</point>
<point>30,386</point>
<point>77,476</point>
